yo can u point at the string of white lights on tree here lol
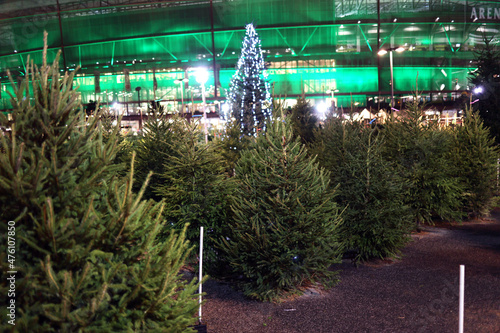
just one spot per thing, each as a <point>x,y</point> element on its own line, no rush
<point>249,96</point>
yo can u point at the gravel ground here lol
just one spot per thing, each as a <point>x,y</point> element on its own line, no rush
<point>417,293</point>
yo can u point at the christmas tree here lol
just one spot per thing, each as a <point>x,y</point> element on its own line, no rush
<point>487,81</point>
<point>87,255</point>
<point>420,153</point>
<point>195,189</point>
<point>153,149</point>
<point>285,219</point>
<point>376,222</point>
<point>475,158</point>
<point>231,143</point>
<point>303,120</point>
<point>249,96</point>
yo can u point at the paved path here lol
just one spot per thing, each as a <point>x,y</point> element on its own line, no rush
<point>418,293</point>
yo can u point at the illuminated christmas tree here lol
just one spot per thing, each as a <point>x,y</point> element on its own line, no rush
<point>249,96</point>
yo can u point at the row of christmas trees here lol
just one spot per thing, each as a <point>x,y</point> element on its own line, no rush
<point>283,206</point>
<point>102,222</point>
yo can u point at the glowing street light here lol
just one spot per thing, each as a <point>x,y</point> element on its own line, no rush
<point>381,52</point>
<point>322,108</point>
<point>201,75</point>
<point>477,90</point>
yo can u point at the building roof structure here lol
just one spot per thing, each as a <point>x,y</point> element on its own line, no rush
<point>325,49</point>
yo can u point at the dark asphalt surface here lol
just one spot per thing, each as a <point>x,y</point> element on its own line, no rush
<point>417,293</point>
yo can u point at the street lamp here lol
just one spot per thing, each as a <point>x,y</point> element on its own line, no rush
<point>138,89</point>
<point>202,77</point>
<point>181,82</point>
<point>477,90</point>
<point>333,91</point>
<point>381,52</point>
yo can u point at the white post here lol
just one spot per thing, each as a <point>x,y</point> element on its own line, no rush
<point>461,300</point>
<point>200,271</point>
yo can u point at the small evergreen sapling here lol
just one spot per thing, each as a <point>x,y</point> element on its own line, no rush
<point>285,219</point>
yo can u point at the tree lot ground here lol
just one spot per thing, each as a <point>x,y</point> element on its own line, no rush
<point>416,293</point>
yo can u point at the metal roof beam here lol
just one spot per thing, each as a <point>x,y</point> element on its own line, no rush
<point>227,44</point>
<point>308,40</point>
<point>163,47</point>
<point>286,42</point>
<point>206,48</point>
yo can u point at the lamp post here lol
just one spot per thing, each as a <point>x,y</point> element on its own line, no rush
<point>138,89</point>
<point>333,91</point>
<point>384,51</point>
<point>202,78</point>
<point>477,90</point>
<point>181,82</point>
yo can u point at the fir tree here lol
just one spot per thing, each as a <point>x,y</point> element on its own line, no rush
<point>303,121</point>
<point>196,190</point>
<point>125,143</point>
<point>153,149</point>
<point>230,145</point>
<point>249,96</point>
<point>87,254</point>
<point>487,78</point>
<point>475,158</point>
<point>420,152</point>
<point>285,219</point>
<point>376,221</point>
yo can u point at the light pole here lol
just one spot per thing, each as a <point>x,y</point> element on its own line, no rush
<point>202,78</point>
<point>477,90</point>
<point>384,51</point>
<point>181,82</point>
<point>333,91</point>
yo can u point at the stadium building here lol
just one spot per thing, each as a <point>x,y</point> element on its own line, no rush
<point>131,52</point>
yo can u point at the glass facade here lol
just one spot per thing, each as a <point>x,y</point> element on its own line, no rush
<point>312,46</point>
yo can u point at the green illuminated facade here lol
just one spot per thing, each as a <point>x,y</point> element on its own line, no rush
<point>312,47</point>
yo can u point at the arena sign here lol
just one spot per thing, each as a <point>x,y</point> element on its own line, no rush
<point>485,13</point>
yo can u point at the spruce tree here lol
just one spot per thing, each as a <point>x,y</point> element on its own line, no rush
<point>285,219</point>
<point>376,220</point>
<point>195,189</point>
<point>125,142</point>
<point>153,148</point>
<point>420,152</point>
<point>303,121</point>
<point>487,78</point>
<point>249,96</point>
<point>475,158</point>
<point>87,254</point>
<point>231,143</point>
